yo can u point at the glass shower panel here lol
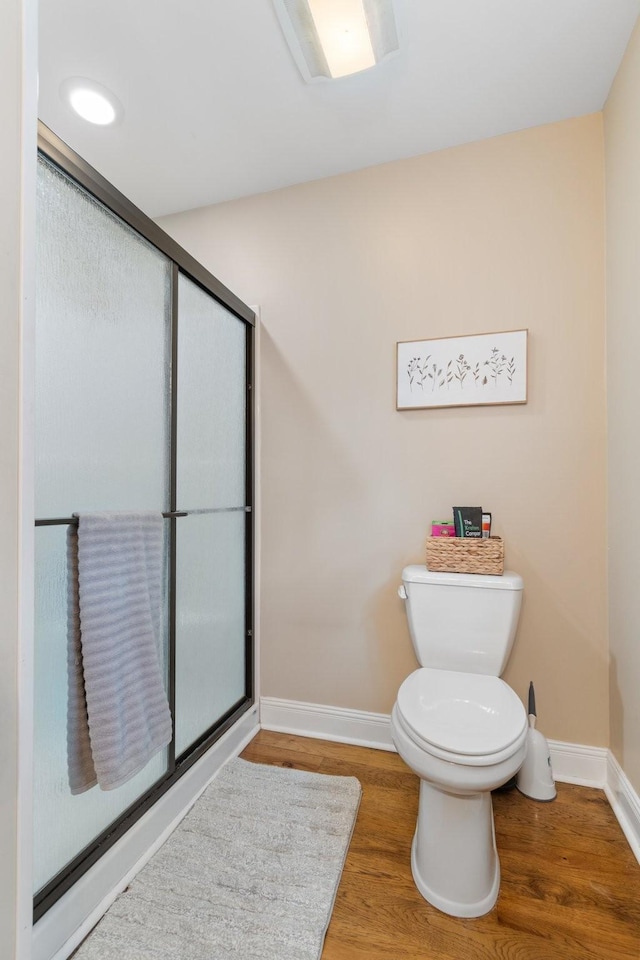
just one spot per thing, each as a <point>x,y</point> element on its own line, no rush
<point>211,482</point>
<point>103,350</point>
<point>210,621</point>
<point>64,824</point>
<point>102,357</point>
<point>212,402</point>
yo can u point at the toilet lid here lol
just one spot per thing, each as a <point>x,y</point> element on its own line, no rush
<point>463,713</point>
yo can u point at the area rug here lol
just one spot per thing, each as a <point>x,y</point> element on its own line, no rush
<point>251,872</point>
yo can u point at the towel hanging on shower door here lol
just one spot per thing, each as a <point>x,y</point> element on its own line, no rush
<point>118,712</point>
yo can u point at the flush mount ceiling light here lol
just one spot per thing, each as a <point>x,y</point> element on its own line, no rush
<point>91,101</point>
<point>334,38</point>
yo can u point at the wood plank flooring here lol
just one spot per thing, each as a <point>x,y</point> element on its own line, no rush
<point>570,883</point>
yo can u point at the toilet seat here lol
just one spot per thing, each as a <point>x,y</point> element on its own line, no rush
<point>465,718</point>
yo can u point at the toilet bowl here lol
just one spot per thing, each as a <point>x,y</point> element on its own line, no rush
<point>463,734</point>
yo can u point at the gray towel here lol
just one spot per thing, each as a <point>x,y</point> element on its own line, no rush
<point>118,714</point>
<point>82,773</point>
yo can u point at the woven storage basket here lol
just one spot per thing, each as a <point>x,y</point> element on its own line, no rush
<point>465,555</point>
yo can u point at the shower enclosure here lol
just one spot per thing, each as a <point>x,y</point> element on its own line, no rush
<point>143,387</point>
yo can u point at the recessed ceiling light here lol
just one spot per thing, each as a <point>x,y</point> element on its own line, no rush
<point>91,101</point>
<point>335,38</point>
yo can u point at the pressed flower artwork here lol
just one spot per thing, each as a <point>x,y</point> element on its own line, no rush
<point>462,371</point>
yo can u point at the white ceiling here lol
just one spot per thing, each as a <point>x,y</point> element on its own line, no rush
<point>215,107</point>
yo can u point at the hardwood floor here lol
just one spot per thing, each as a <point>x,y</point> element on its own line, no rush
<point>570,883</point>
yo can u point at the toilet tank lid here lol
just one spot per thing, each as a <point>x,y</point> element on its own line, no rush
<point>418,573</point>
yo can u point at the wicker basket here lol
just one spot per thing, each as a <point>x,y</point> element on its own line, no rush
<point>465,555</point>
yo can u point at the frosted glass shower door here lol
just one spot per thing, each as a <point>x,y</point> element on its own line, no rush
<point>103,350</point>
<point>142,404</point>
<point>211,554</point>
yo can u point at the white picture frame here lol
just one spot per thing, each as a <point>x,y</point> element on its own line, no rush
<point>464,371</point>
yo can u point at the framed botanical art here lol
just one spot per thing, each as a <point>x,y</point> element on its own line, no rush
<point>464,371</point>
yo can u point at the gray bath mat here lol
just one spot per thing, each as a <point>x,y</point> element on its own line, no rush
<point>251,872</point>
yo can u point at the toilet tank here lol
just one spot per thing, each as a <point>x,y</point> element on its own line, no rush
<point>461,621</point>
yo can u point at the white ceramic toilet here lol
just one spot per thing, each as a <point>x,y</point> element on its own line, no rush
<point>460,728</point>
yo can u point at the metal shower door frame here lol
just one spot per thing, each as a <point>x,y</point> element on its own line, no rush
<point>73,166</point>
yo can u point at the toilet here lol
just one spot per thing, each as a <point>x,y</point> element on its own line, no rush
<point>460,728</point>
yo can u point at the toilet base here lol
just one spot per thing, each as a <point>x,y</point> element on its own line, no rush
<point>454,860</point>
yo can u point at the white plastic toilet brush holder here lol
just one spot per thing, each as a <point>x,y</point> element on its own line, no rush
<point>535,777</point>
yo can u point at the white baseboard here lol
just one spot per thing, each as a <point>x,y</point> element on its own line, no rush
<point>625,803</point>
<point>69,921</point>
<point>575,763</point>
<point>571,762</point>
<point>326,723</point>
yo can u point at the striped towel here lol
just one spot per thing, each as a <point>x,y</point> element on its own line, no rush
<point>118,713</point>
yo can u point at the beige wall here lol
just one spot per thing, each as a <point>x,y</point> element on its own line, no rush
<point>17,197</point>
<point>622,143</point>
<point>502,234</point>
